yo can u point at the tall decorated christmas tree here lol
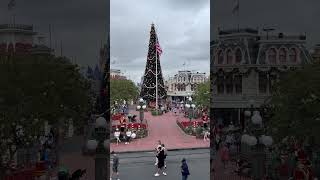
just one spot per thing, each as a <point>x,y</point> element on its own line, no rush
<point>152,89</point>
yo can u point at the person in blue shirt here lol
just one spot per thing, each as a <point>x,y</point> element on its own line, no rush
<point>184,169</point>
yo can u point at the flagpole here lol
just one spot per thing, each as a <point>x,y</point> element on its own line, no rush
<point>239,15</point>
<point>156,76</point>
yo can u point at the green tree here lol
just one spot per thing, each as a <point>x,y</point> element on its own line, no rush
<point>295,104</point>
<point>122,89</point>
<point>38,89</point>
<point>202,94</point>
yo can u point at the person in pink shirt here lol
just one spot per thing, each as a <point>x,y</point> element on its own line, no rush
<point>224,153</point>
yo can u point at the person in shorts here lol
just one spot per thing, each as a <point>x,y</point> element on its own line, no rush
<point>115,165</point>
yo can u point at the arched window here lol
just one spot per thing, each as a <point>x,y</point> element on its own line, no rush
<point>229,57</point>
<point>272,56</point>
<point>282,55</point>
<point>238,56</point>
<point>293,55</point>
<point>220,57</point>
<point>220,85</point>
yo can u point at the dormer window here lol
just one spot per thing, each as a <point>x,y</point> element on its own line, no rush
<point>293,55</point>
<point>282,55</point>
<point>272,56</point>
<point>229,57</point>
<point>238,56</point>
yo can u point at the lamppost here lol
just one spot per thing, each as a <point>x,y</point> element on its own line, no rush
<point>257,142</point>
<point>141,107</point>
<point>116,106</point>
<point>190,106</point>
<point>100,145</point>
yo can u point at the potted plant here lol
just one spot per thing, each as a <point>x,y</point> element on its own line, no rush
<point>199,132</point>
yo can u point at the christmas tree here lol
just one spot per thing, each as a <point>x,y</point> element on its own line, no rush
<point>152,80</point>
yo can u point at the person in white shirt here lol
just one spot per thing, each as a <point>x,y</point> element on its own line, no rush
<point>128,133</point>
<point>117,135</point>
<point>157,151</point>
<point>206,136</point>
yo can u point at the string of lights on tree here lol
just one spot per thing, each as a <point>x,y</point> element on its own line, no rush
<point>148,89</point>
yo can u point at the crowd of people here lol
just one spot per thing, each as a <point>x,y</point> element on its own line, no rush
<point>290,159</point>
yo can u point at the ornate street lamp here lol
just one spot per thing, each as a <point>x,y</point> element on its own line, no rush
<point>190,106</point>
<point>141,107</point>
<point>100,145</point>
<point>257,142</point>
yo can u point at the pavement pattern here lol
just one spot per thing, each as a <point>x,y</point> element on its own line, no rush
<point>141,166</point>
<point>162,128</point>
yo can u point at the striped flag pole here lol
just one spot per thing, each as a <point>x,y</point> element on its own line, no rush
<point>11,6</point>
<point>236,9</point>
<point>156,73</point>
<point>158,51</point>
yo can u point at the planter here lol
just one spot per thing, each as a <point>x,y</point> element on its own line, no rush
<point>156,112</point>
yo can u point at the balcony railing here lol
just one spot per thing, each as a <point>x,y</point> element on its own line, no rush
<point>16,26</point>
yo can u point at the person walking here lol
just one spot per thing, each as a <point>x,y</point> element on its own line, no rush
<point>115,165</point>
<point>217,142</point>
<point>165,156</point>
<point>157,151</point>
<point>184,169</point>
<point>161,158</point>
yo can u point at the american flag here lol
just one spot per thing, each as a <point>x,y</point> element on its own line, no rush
<point>11,4</point>
<point>236,7</point>
<point>158,48</point>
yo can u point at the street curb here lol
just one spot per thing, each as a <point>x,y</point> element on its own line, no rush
<point>175,149</point>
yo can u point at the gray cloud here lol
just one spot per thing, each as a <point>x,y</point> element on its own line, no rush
<point>80,24</point>
<point>292,16</point>
<point>182,28</point>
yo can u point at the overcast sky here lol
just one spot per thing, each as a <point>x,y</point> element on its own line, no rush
<point>291,16</point>
<point>80,24</point>
<point>182,26</point>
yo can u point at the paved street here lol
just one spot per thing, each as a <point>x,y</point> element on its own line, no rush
<point>141,166</point>
<point>162,128</point>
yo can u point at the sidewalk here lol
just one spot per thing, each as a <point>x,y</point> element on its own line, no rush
<point>162,128</point>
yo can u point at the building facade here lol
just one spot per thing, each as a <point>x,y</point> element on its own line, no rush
<point>116,74</point>
<point>316,53</point>
<point>183,84</point>
<point>244,67</point>
<point>22,39</point>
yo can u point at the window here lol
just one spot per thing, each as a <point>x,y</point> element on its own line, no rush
<point>272,56</point>
<point>220,85</point>
<point>272,81</point>
<point>293,55</point>
<point>238,84</point>
<point>220,57</point>
<point>229,84</point>
<point>238,56</point>
<point>229,57</point>
<point>263,83</point>
<point>282,55</point>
